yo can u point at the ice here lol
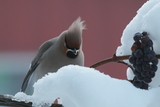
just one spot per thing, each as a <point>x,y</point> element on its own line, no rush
<point>147,19</point>
<point>80,86</point>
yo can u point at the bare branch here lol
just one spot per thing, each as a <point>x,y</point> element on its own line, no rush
<point>114,58</point>
<point>118,59</point>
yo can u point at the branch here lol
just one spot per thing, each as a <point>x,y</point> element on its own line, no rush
<point>6,100</point>
<point>114,58</point>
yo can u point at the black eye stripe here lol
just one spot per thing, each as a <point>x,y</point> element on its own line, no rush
<point>66,44</point>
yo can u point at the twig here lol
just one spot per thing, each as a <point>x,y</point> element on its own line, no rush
<point>7,101</point>
<point>117,59</point>
<point>114,58</point>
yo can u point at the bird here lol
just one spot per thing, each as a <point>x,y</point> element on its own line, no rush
<point>57,52</point>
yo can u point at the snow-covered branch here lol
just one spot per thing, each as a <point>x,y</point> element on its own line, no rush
<point>7,100</point>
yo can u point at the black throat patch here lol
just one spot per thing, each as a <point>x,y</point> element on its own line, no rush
<point>72,53</point>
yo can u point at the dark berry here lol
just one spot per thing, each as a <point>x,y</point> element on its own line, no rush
<point>146,49</point>
<point>147,57</point>
<point>140,78</point>
<point>147,80</point>
<point>139,61</point>
<point>146,67</point>
<point>138,68</point>
<point>132,59</point>
<point>144,33</point>
<point>137,84</point>
<point>144,73</point>
<point>137,36</point>
<point>151,74</point>
<point>143,59</point>
<point>144,86</point>
<point>136,72</point>
<point>154,61</point>
<point>149,43</point>
<point>138,53</point>
<point>154,68</point>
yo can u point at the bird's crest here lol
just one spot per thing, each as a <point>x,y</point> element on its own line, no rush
<point>77,26</point>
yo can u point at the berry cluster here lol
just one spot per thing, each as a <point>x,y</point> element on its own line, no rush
<point>143,59</point>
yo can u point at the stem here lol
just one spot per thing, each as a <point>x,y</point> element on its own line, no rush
<point>114,58</point>
<point>117,59</point>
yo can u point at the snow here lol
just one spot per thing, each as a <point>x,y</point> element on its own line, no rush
<point>147,19</point>
<point>78,86</point>
<point>130,74</point>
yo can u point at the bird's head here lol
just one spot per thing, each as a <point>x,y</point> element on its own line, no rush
<point>73,38</point>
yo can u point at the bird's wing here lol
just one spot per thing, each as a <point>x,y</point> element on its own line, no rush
<point>36,61</point>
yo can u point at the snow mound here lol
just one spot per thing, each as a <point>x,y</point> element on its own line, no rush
<point>80,86</point>
<point>147,19</point>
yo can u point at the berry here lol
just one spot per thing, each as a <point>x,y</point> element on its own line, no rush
<point>147,57</point>
<point>151,74</point>
<point>138,53</point>
<point>137,84</point>
<point>144,73</point>
<point>138,68</point>
<point>136,72</point>
<point>154,68</point>
<point>140,78</point>
<point>146,49</point>
<point>147,80</point>
<point>143,59</point>
<point>144,33</point>
<point>154,61</point>
<point>132,59</point>
<point>152,53</point>
<point>146,67</point>
<point>137,43</point>
<point>149,43</point>
<point>144,86</point>
<point>137,36</point>
<point>139,61</point>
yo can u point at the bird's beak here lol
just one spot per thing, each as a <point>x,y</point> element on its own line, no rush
<point>75,51</point>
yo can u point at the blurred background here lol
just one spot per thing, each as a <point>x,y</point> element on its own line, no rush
<point>26,24</point>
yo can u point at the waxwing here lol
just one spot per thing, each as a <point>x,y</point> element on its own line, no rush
<point>57,52</point>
